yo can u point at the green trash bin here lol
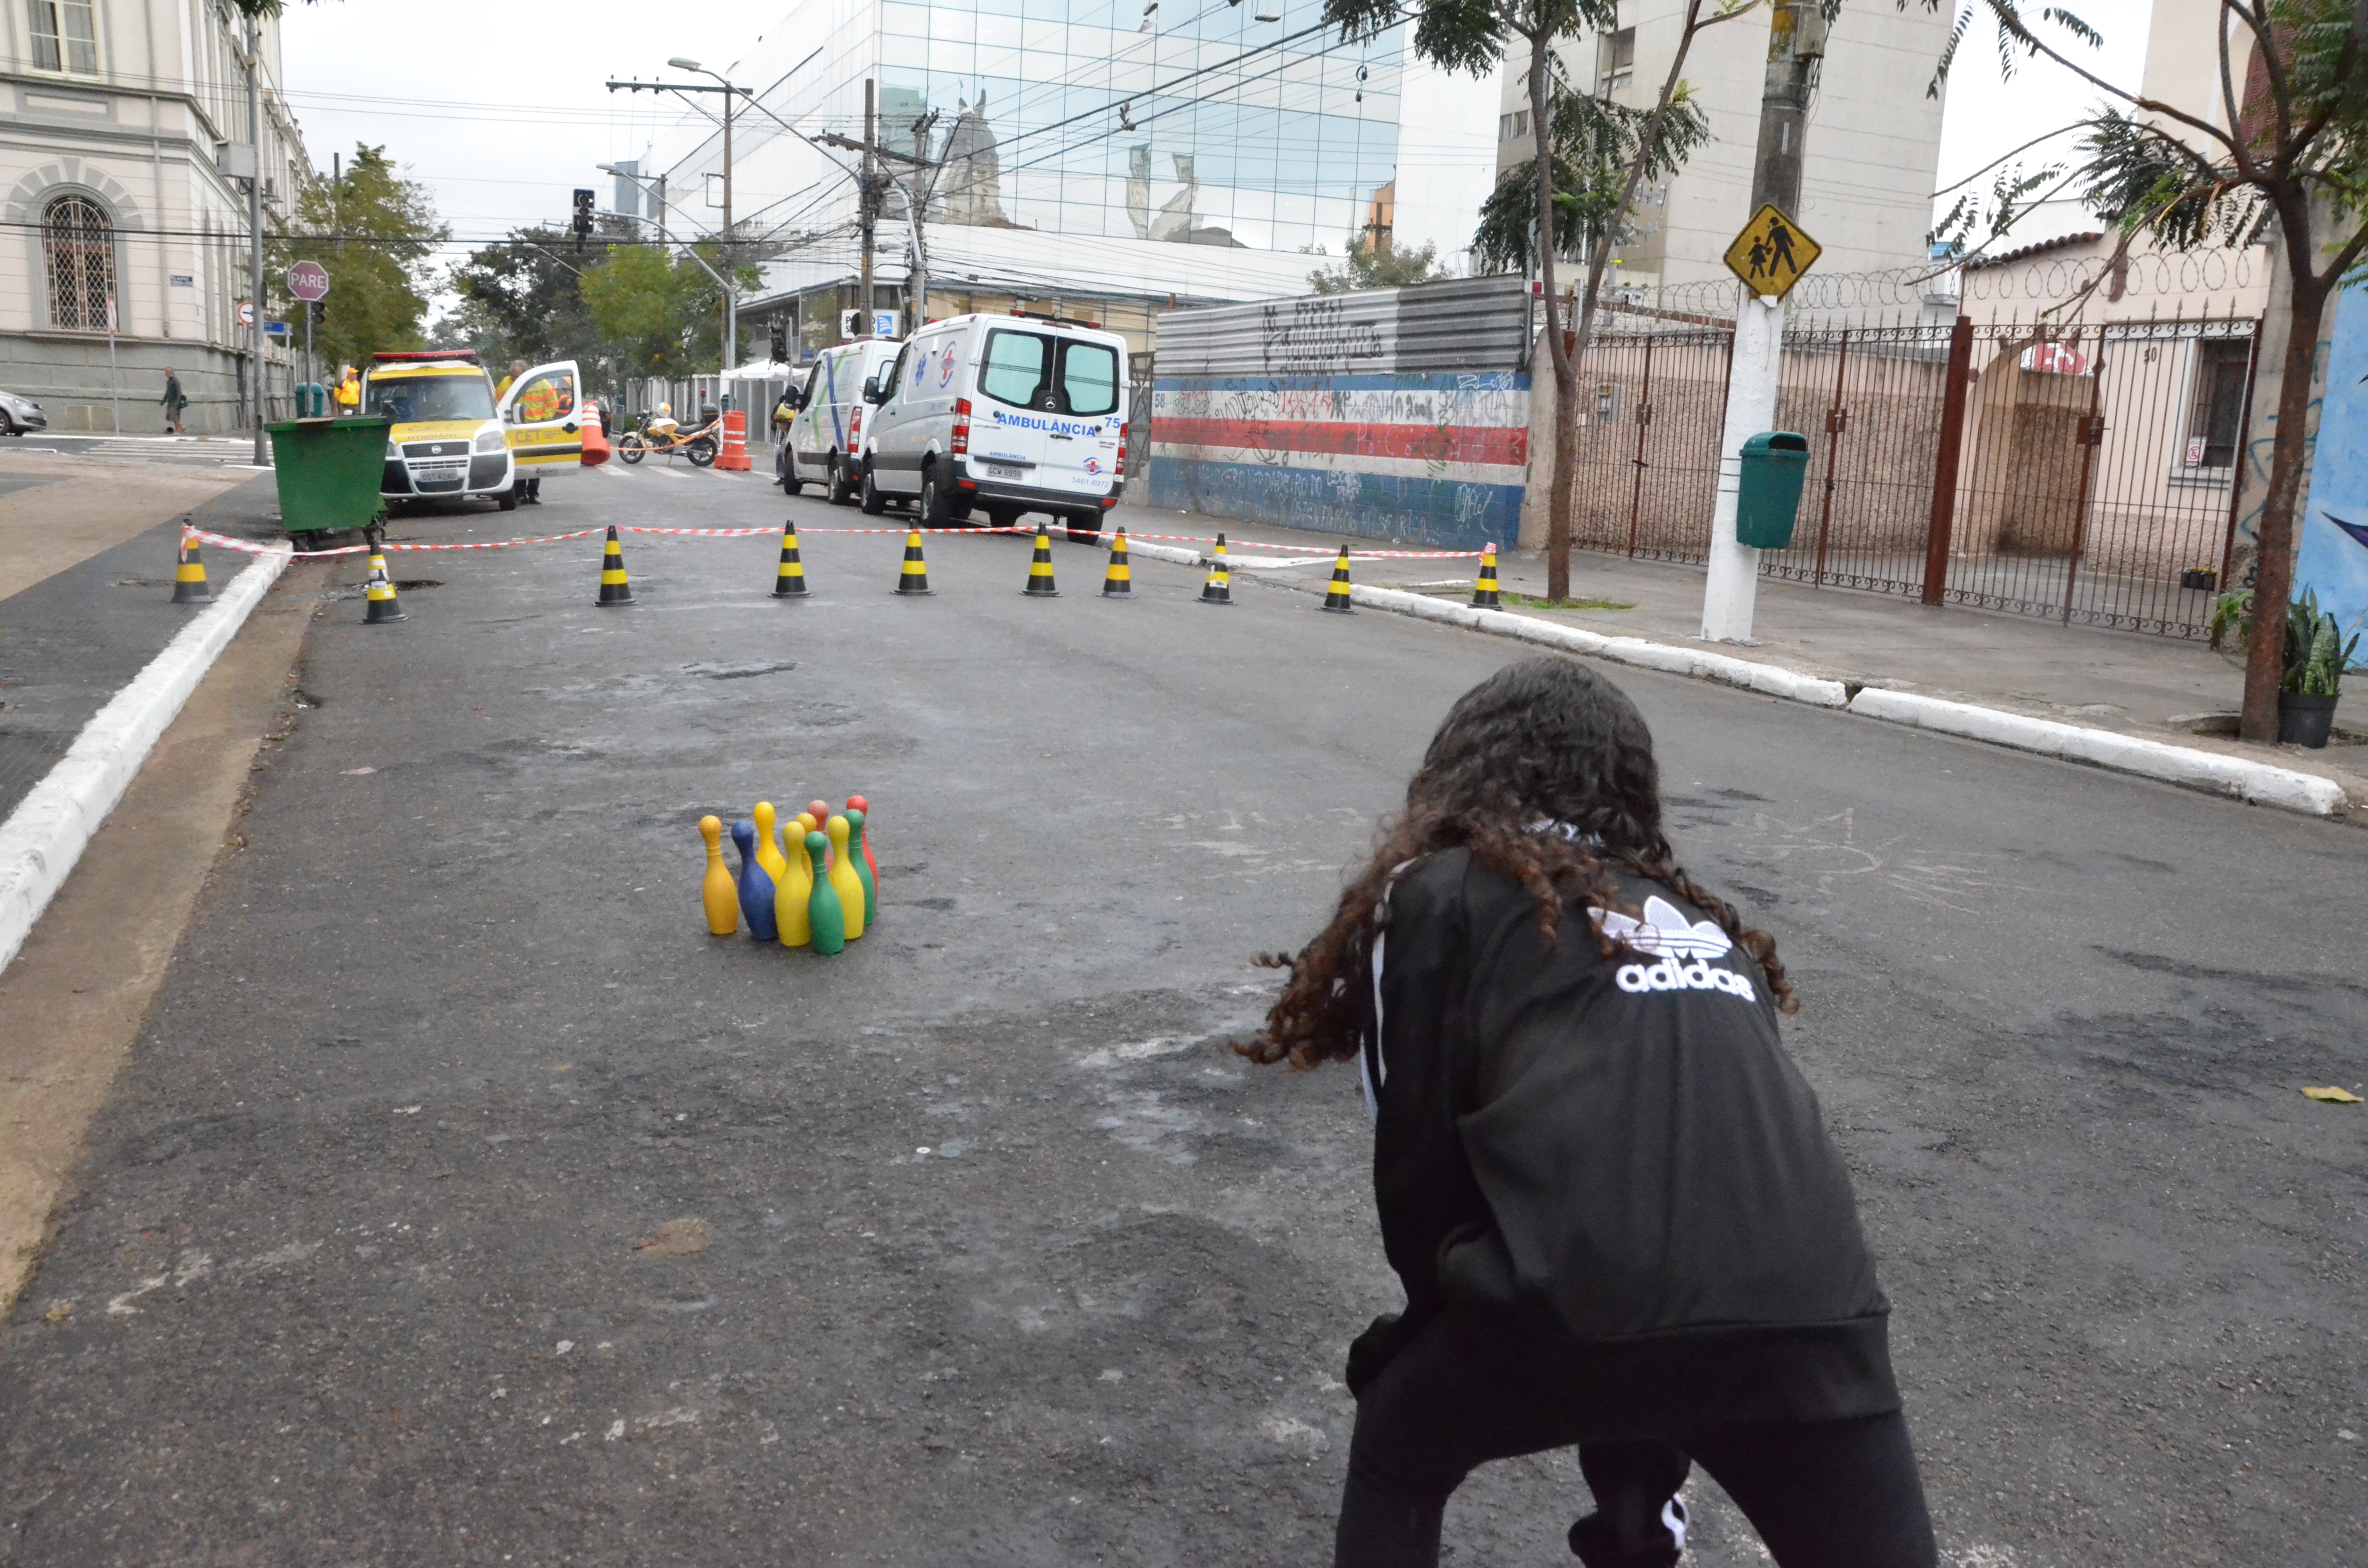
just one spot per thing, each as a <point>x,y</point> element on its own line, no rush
<point>1774,463</point>
<point>329,472</point>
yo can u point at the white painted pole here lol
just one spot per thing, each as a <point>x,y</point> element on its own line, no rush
<point>1729,595</point>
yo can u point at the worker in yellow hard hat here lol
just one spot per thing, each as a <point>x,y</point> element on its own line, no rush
<point>348,391</point>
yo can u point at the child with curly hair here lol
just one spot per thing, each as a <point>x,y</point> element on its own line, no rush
<point>1608,1190</point>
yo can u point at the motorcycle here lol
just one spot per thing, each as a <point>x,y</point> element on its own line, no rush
<point>701,446</point>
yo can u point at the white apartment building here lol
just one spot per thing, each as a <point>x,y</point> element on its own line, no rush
<point>121,121</point>
<point>1873,135</point>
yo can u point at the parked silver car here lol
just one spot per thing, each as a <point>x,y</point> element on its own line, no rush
<point>18,414</point>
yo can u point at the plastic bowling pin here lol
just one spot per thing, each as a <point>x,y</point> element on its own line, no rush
<point>860,857</point>
<point>768,848</point>
<point>756,883</point>
<point>791,916</point>
<point>843,879</point>
<point>718,892</point>
<point>820,812</point>
<point>857,803</point>
<point>826,914</point>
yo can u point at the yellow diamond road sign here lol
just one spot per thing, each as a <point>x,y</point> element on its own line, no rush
<point>1771,253</point>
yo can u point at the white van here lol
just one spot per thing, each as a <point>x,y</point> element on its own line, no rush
<point>1003,413</point>
<point>819,446</point>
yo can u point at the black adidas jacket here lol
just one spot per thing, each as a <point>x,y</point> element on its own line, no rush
<point>1616,1152</point>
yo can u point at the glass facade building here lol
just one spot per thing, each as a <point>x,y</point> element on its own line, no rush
<point>1068,143</point>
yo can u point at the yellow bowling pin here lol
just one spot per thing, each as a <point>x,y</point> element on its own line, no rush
<point>718,892</point>
<point>793,892</point>
<point>768,850</point>
<point>843,879</point>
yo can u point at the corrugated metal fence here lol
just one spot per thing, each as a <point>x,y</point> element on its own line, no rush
<point>1397,414</point>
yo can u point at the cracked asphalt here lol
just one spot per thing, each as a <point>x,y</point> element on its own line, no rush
<point>1000,1257</point>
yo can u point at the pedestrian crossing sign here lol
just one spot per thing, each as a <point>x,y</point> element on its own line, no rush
<point>1771,253</point>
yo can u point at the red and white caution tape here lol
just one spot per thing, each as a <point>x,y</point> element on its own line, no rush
<point>249,546</point>
<point>1328,551</point>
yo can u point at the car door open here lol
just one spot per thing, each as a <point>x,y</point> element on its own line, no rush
<point>542,416</point>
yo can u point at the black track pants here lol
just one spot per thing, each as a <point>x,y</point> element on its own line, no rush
<point>1822,1495</point>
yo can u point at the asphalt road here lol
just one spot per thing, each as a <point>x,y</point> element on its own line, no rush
<point>1007,1261</point>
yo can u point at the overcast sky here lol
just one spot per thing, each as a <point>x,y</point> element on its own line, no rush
<point>503,114</point>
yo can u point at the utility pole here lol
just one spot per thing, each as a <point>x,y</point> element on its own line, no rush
<point>255,231</point>
<point>916,276</point>
<point>867,202</point>
<point>1796,44</point>
<point>723,274</point>
<point>731,294</point>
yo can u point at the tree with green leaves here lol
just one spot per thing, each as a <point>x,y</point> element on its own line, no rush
<point>1476,36</point>
<point>2285,155</point>
<point>377,234</point>
<point>522,297</point>
<point>659,308</point>
<point>1377,264</point>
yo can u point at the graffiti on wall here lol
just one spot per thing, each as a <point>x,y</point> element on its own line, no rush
<point>2333,560</point>
<point>1325,335</point>
<point>1437,459</point>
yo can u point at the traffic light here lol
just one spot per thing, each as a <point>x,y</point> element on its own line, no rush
<point>781,341</point>
<point>583,220</point>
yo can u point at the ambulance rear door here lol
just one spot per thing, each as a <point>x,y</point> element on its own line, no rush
<point>541,418</point>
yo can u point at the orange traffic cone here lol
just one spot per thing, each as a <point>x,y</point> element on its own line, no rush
<point>734,456</point>
<point>595,436</point>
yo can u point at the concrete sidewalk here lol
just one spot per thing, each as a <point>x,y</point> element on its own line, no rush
<point>2159,687</point>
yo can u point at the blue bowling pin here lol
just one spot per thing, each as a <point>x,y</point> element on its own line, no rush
<point>756,884</point>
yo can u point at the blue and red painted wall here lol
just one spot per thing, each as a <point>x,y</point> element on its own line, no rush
<point>1400,414</point>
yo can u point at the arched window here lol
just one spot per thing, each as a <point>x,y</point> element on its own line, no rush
<point>80,259</point>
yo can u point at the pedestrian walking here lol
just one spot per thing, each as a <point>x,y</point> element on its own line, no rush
<point>1606,1187</point>
<point>348,391</point>
<point>174,401</point>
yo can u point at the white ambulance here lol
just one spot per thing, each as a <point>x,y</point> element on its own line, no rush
<point>818,447</point>
<point>1002,415</point>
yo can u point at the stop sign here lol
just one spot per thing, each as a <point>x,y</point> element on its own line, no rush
<point>308,280</point>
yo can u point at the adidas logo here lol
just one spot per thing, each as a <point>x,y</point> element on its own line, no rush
<point>1668,934</point>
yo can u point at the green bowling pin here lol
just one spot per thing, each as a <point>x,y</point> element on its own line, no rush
<point>824,914</point>
<point>862,864</point>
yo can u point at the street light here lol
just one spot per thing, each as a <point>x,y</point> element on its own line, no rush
<point>644,182</point>
<point>731,295</point>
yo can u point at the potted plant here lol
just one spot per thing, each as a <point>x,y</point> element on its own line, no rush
<point>2316,656</point>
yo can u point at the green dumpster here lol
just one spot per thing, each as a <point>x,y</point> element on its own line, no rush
<point>329,472</point>
<point>1774,463</point>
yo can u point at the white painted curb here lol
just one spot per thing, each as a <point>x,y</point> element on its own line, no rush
<point>1160,552</point>
<point>2259,782</point>
<point>48,831</point>
<point>2262,783</point>
<point>1701,664</point>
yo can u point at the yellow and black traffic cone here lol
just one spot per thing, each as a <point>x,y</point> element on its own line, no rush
<point>1484,592</point>
<point>790,581</point>
<point>1336,598</point>
<point>616,588</point>
<point>1219,588</point>
<point>914,579</point>
<point>1040,567</point>
<point>384,608</point>
<point>189,576</point>
<point>1118,583</point>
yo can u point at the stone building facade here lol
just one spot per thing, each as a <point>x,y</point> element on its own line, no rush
<point>123,245</point>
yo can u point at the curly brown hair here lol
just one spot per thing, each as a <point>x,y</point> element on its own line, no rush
<point>1546,741</point>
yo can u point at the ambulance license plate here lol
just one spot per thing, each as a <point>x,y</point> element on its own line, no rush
<point>997,471</point>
